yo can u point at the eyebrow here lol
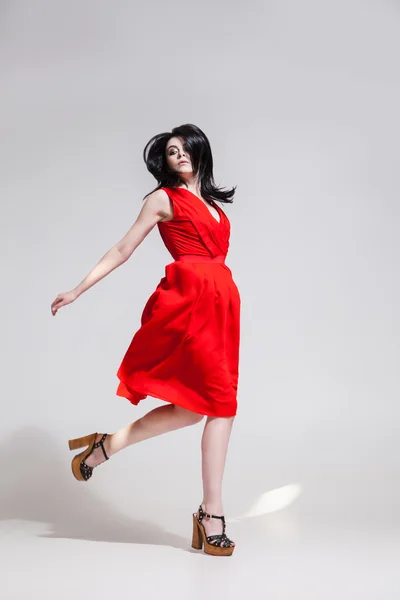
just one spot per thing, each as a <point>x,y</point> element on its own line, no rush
<point>172,146</point>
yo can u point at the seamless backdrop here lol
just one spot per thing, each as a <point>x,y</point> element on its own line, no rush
<point>300,103</point>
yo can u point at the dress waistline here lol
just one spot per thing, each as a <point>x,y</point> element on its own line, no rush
<point>200,258</point>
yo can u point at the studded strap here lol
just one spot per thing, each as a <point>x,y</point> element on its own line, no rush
<point>100,443</point>
<point>215,540</point>
<point>85,469</point>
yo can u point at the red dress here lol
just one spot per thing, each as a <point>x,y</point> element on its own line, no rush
<point>186,351</point>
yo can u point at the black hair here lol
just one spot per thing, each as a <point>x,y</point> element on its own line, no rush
<point>196,144</point>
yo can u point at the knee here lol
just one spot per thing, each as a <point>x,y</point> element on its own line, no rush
<point>197,418</point>
<point>194,418</point>
<point>190,417</point>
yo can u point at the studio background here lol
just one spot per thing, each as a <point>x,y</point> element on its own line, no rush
<point>300,104</point>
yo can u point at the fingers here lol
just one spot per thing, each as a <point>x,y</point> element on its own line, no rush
<point>62,299</point>
<point>58,303</point>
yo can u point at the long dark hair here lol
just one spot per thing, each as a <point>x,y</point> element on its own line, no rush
<point>196,144</point>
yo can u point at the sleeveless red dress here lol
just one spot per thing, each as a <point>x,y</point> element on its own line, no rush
<point>186,351</point>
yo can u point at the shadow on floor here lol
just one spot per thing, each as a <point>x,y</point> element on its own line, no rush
<point>37,485</point>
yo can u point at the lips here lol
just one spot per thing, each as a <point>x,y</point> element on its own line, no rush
<point>185,162</point>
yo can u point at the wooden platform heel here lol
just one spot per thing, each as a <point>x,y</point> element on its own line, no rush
<point>212,543</point>
<point>82,471</point>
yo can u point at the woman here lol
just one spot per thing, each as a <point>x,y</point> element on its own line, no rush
<point>186,351</point>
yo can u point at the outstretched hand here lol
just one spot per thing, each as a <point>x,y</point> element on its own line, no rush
<point>62,300</point>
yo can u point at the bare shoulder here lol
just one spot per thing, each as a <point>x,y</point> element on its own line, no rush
<point>159,203</point>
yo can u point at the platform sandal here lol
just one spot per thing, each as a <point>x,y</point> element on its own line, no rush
<point>82,471</point>
<point>212,543</point>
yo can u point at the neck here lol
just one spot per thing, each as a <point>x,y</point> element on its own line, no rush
<point>192,184</point>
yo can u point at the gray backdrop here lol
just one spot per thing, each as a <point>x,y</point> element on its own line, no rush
<point>300,101</point>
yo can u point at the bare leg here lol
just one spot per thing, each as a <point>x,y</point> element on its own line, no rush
<point>214,445</point>
<point>159,420</point>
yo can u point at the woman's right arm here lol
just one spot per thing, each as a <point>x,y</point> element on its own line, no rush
<point>156,208</point>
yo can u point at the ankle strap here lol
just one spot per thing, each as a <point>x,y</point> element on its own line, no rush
<point>100,443</point>
<point>203,514</point>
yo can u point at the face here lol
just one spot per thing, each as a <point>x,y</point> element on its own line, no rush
<point>177,158</point>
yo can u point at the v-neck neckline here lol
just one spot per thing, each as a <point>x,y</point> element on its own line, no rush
<point>201,201</point>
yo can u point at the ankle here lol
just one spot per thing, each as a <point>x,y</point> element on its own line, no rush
<point>108,445</point>
<point>212,508</point>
